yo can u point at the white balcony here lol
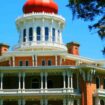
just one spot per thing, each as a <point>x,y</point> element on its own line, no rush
<point>55,91</point>
<point>100,92</point>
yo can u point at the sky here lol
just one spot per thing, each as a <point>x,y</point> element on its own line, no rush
<point>74,30</point>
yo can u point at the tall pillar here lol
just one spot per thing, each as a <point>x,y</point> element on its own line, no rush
<point>78,102</point>
<point>46,102</point>
<point>19,77</point>
<point>41,80</point>
<point>23,102</point>
<point>46,80</point>
<point>1,81</point>
<point>24,80</point>
<point>13,60</point>
<point>97,101</point>
<point>33,60</point>
<point>71,80</point>
<point>56,60</point>
<point>64,80</point>
<point>41,102</point>
<point>19,102</point>
<point>43,31</point>
<point>1,101</point>
<point>64,101</point>
<point>68,85</point>
<point>36,60</point>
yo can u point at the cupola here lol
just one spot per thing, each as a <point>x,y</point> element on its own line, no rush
<point>47,6</point>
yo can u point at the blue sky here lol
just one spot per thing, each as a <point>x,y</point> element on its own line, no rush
<point>75,30</point>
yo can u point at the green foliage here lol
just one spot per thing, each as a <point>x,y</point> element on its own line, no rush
<point>90,10</point>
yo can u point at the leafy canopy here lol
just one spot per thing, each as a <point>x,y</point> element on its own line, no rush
<point>90,10</point>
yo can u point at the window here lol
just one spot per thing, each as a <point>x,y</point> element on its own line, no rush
<point>30,34</point>
<point>102,102</point>
<point>27,63</point>
<point>20,63</point>
<point>97,82</point>
<point>53,34</point>
<point>43,62</point>
<point>38,31</point>
<point>35,84</point>
<point>46,33</point>
<point>24,35</point>
<point>50,84</point>
<point>49,63</point>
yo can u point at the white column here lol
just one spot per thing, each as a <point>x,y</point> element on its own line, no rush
<point>78,102</point>
<point>23,80</point>
<point>13,60</point>
<point>64,101</point>
<point>23,102</point>
<point>71,81</point>
<point>46,102</point>
<point>33,60</point>
<point>19,102</point>
<point>41,80</point>
<point>46,80</point>
<point>34,34</point>
<point>36,60</point>
<point>27,34</point>
<point>43,31</point>
<point>41,102</point>
<point>50,39</point>
<point>1,81</point>
<point>56,35</point>
<point>56,60</point>
<point>1,102</point>
<point>97,101</point>
<point>64,80</point>
<point>19,75</point>
<point>68,80</point>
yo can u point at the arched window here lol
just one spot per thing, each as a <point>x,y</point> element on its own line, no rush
<point>43,62</point>
<point>30,34</point>
<point>38,31</point>
<point>53,34</point>
<point>49,63</point>
<point>24,35</point>
<point>20,63</point>
<point>102,102</point>
<point>35,84</point>
<point>27,63</point>
<point>97,82</point>
<point>46,33</point>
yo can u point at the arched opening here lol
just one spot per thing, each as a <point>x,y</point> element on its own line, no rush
<point>53,34</point>
<point>75,102</point>
<point>102,102</point>
<point>24,35</point>
<point>35,83</point>
<point>30,34</point>
<point>38,31</point>
<point>97,83</point>
<point>46,33</point>
<point>50,84</point>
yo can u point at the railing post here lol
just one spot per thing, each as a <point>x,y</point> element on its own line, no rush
<point>46,80</point>
<point>24,80</point>
<point>19,77</point>
<point>64,80</point>
<point>41,80</point>
<point>64,101</point>
<point>19,102</point>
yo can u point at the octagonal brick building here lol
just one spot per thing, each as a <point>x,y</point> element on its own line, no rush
<point>41,69</point>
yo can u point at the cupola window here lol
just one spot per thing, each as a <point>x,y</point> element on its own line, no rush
<point>38,31</point>
<point>24,35</point>
<point>30,34</point>
<point>46,33</point>
<point>53,34</point>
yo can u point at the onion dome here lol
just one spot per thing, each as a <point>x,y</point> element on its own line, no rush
<point>48,6</point>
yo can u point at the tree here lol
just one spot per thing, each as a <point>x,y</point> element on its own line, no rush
<point>90,10</point>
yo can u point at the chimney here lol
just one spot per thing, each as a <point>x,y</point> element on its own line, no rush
<point>3,48</point>
<point>73,48</point>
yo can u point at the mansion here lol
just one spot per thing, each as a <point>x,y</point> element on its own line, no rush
<point>41,69</point>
